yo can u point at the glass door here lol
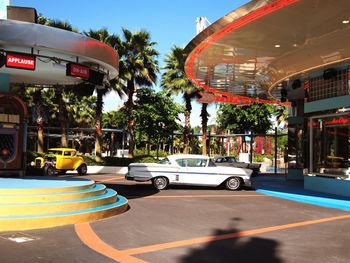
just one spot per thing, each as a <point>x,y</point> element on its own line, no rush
<point>329,145</point>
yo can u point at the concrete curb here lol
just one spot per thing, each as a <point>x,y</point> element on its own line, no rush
<point>107,169</point>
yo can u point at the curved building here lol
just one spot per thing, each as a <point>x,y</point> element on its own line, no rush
<point>33,54</point>
<point>287,51</point>
<point>51,51</point>
<point>36,55</point>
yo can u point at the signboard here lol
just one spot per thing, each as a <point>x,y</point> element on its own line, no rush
<point>20,61</point>
<point>337,121</point>
<point>78,71</point>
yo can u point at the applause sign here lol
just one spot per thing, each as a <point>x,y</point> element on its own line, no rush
<point>20,61</point>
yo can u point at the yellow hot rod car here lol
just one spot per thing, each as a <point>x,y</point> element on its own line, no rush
<point>60,160</point>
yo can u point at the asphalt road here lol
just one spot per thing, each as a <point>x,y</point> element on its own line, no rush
<point>191,224</point>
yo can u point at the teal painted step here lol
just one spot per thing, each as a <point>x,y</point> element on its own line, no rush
<point>95,190</point>
<point>42,182</point>
<point>47,202</point>
<point>14,208</point>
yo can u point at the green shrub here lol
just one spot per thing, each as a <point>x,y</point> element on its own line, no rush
<point>106,161</point>
<point>145,159</point>
<point>143,152</point>
<point>259,158</point>
<point>118,161</point>
<point>91,161</point>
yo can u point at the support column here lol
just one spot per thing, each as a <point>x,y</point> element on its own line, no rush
<point>4,83</point>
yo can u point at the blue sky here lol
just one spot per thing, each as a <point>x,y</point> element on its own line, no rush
<point>169,22</point>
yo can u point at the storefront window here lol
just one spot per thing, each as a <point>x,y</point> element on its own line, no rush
<point>330,145</point>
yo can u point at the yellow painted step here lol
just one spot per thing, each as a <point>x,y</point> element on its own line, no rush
<point>52,220</point>
<point>42,185</point>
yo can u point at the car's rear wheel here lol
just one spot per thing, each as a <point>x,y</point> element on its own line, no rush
<point>49,170</point>
<point>82,170</point>
<point>233,183</point>
<point>160,183</point>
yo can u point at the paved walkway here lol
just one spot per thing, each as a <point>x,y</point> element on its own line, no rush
<point>278,186</point>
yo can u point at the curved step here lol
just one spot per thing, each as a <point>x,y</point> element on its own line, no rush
<point>43,185</point>
<point>96,190</point>
<point>23,209</point>
<point>12,223</point>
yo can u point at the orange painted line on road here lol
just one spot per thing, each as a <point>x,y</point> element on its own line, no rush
<point>89,238</point>
<point>202,196</point>
<point>207,239</point>
<point>111,179</point>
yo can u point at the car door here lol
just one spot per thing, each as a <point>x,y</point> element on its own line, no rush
<point>67,160</point>
<point>194,171</point>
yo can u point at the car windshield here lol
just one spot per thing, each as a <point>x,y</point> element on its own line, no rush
<point>192,162</point>
<point>231,159</point>
<point>55,152</point>
<point>211,163</point>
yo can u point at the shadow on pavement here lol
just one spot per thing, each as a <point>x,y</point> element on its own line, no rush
<point>240,249</point>
<point>133,191</point>
<point>220,188</point>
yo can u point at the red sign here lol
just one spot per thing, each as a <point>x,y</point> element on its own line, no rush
<point>79,71</point>
<point>338,121</point>
<point>20,61</point>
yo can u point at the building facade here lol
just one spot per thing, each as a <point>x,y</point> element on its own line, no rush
<point>291,52</point>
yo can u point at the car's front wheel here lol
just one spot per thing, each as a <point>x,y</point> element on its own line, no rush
<point>49,170</point>
<point>82,170</point>
<point>160,183</point>
<point>233,183</point>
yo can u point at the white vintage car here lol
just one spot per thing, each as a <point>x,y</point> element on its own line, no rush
<point>188,169</point>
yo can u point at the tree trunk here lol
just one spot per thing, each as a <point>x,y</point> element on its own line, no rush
<point>40,139</point>
<point>148,144</point>
<point>98,125</point>
<point>62,119</point>
<point>157,149</point>
<point>39,120</point>
<point>131,121</point>
<point>111,147</point>
<point>204,115</point>
<point>187,127</point>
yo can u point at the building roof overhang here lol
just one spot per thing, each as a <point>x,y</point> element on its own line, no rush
<point>54,48</point>
<point>248,54</point>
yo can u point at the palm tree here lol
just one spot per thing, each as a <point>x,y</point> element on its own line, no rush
<point>62,110</point>
<point>175,81</point>
<point>204,116</point>
<point>33,97</point>
<point>111,40</point>
<point>114,120</point>
<point>138,67</point>
<point>65,25</point>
